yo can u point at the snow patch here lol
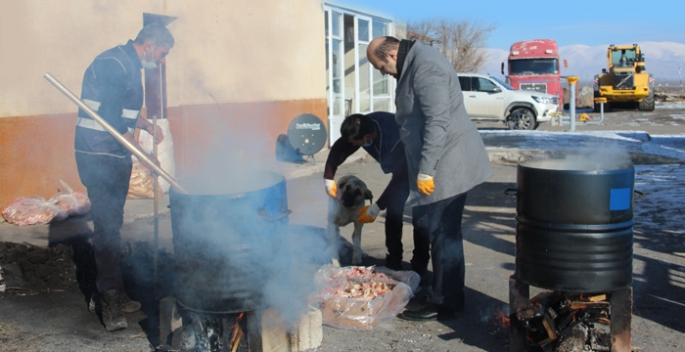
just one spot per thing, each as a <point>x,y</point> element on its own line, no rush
<point>670,106</point>
<point>661,206</point>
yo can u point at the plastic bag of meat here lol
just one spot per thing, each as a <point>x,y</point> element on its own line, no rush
<point>142,182</point>
<point>361,297</point>
<point>30,211</point>
<point>36,210</point>
<point>70,203</point>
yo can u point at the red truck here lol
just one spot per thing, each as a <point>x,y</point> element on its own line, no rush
<point>533,65</point>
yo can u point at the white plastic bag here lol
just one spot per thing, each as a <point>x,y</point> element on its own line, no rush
<point>165,151</point>
<point>70,203</point>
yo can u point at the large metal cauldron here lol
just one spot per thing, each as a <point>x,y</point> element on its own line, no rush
<point>574,226</point>
<point>223,231</point>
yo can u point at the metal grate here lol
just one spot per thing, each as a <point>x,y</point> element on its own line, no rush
<point>624,80</point>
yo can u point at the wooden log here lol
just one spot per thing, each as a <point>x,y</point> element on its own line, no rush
<point>585,305</point>
<point>621,314</point>
<point>549,325</point>
<point>519,293</point>
<point>597,298</point>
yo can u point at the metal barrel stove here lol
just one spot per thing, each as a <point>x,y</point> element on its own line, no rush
<point>223,232</point>
<point>574,226</point>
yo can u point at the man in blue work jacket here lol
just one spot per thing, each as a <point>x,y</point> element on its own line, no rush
<point>112,87</point>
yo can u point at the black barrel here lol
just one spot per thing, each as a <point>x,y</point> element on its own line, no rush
<point>224,231</point>
<point>574,226</point>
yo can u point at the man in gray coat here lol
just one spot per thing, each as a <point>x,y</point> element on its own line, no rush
<point>446,158</point>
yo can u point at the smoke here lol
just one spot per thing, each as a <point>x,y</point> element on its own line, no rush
<point>231,234</point>
<point>238,247</point>
<point>587,158</point>
<point>234,246</point>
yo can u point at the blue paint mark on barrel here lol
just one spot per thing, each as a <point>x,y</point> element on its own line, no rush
<point>619,199</point>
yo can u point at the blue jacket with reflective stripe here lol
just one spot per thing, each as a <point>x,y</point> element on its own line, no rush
<point>112,87</point>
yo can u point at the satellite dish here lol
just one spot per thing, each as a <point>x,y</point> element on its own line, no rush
<point>307,134</point>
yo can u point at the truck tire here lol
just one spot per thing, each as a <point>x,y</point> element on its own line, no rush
<point>597,105</point>
<point>521,119</point>
<point>647,104</point>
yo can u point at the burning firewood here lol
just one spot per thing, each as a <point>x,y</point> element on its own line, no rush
<point>237,333</point>
<point>557,321</point>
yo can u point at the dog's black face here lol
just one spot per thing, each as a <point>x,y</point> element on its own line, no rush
<point>353,191</point>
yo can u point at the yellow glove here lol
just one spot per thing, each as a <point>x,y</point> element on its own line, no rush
<point>368,213</point>
<point>425,184</point>
<point>331,187</point>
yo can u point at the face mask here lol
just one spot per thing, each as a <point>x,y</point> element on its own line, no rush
<point>149,64</point>
<point>367,144</point>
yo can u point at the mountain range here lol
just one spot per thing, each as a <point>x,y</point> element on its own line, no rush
<point>665,60</point>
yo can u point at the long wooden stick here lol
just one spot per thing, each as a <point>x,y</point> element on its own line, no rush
<point>155,183</point>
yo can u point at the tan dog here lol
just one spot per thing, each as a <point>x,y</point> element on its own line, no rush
<point>352,196</point>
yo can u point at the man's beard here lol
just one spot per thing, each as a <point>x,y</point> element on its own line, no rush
<point>148,64</point>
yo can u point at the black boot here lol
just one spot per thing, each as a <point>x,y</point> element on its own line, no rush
<point>128,305</point>
<point>112,315</point>
<point>429,312</point>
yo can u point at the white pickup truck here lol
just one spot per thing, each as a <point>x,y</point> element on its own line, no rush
<point>488,98</point>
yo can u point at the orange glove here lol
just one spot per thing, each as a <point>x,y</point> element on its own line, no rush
<point>331,187</point>
<point>368,213</point>
<point>425,184</point>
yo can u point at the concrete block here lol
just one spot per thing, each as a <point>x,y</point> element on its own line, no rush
<point>308,333</point>
<point>169,319</point>
<point>266,332</point>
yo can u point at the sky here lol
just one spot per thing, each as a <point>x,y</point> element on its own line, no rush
<point>568,22</point>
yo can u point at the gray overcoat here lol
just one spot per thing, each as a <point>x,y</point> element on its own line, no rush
<point>439,138</point>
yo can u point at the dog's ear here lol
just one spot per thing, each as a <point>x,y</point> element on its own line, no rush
<point>368,195</point>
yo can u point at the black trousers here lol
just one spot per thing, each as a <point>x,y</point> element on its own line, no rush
<point>394,219</point>
<point>107,179</point>
<point>437,230</point>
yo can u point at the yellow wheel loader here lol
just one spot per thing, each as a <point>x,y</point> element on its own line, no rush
<point>627,79</point>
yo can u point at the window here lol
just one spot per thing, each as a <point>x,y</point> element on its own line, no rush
<point>363,30</point>
<point>465,83</point>
<point>484,85</point>
<point>533,67</point>
<point>380,28</point>
<point>364,80</point>
<point>623,58</point>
